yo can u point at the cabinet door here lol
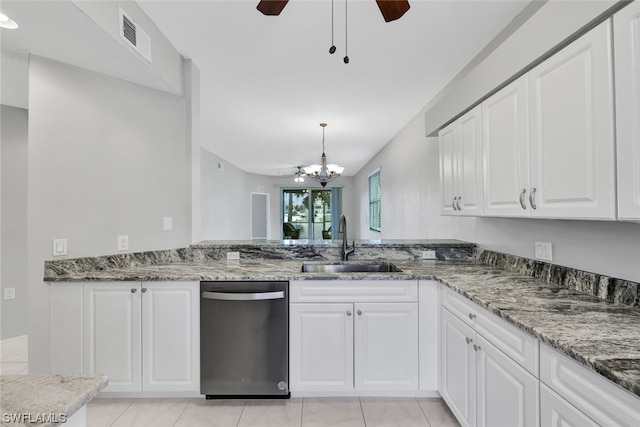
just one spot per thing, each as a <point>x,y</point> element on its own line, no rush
<point>557,412</point>
<point>170,336</point>
<point>572,134</point>
<point>626,24</point>
<point>469,158</point>
<point>458,368</point>
<point>386,346</point>
<point>448,168</point>
<point>321,347</point>
<point>505,151</point>
<point>506,394</point>
<point>112,334</point>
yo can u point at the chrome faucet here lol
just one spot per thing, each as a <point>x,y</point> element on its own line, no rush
<point>342,228</point>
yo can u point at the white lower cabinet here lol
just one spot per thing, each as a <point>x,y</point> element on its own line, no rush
<point>144,337</point>
<point>481,385</point>
<point>352,346</point>
<point>588,393</point>
<point>557,412</point>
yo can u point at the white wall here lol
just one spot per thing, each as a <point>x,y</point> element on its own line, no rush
<point>106,158</point>
<point>226,199</point>
<point>13,136</point>
<point>410,190</point>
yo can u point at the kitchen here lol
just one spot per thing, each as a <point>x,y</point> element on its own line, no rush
<point>410,197</point>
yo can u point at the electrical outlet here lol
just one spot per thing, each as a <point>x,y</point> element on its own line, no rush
<point>59,247</point>
<point>167,223</point>
<point>123,243</point>
<point>428,254</point>
<point>543,251</point>
<point>233,255</point>
<point>9,293</point>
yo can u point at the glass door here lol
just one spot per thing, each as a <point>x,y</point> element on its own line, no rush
<point>307,213</point>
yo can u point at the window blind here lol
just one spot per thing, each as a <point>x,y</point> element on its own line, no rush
<point>374,201</point>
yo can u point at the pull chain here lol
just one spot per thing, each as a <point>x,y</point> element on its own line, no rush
<point>346,50</point>
<point>332,49</point>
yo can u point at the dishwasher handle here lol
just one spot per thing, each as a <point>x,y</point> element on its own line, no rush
<point>235,296</point>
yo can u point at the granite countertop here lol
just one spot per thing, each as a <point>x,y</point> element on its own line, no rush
<point>600,335</point>
<point>46,400</point>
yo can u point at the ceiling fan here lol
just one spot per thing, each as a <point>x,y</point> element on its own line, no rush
<point>390,9</point>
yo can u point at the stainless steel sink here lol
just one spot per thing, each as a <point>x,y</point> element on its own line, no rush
<point>376,267</point>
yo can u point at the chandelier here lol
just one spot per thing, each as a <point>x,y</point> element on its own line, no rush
<point>299,176</point>
<point>323,172</point>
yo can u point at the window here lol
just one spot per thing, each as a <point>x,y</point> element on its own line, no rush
<point>374,201</point>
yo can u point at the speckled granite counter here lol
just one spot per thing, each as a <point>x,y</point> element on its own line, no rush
<point>46,400</point>
<point>597,333</point>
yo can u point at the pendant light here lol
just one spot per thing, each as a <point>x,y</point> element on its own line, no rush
<point>323,172</point>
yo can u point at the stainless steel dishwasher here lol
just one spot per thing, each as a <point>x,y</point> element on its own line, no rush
<point>244,339</point>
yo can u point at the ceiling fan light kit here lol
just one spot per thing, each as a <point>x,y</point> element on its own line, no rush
<point>390,10</point>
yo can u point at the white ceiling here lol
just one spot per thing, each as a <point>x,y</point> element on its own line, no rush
<point>268,81</point>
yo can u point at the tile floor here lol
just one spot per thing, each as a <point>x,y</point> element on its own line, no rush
<point>307,412</point>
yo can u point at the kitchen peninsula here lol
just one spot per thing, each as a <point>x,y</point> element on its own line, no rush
<point>546,302</point>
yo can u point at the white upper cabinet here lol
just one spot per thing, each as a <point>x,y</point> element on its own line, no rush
<point>626,26</point>
<point>572,131</point>
<point>547,139</point>
<point>461,165</point>
<point>505,148</point>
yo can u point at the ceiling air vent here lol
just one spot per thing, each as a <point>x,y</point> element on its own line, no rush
<point>134,36</point>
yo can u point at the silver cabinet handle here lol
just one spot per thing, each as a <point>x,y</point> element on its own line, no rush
<point>523,204</point>
<point>243,297</point>
<point>472,316</point>
<point>468,340</point>
<point>458,203</point>
<point>134,290</point>
<point>454,203</point>
<point>532,197</point>
<point>348,312</point>
<point>476,347</point>
<point>144,290</point>
<point>359,312</point>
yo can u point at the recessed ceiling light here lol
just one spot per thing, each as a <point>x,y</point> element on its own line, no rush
<point>6,22</point>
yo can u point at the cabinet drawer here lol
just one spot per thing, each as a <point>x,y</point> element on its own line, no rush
<point>557,412</point>
<point>353,291</point>
<point>600,399</point>
<point>516,344</point>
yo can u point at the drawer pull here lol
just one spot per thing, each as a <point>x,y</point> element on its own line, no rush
<point>359,312</point>
<point>476,347</point>
<point>133,291</point>
<point>468,340</point>
<point>348,312</point>
<point>472,316</point>
<point>522,202</point>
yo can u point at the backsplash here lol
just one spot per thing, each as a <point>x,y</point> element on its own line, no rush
<point>604,287</point>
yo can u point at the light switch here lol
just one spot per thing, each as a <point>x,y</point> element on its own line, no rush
<point>167,223</point>
<point>123,243</point>
<point>59,247</point>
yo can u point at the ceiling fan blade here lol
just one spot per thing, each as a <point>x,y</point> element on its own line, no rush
<point>392,9</point>
<point>271,7</point>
